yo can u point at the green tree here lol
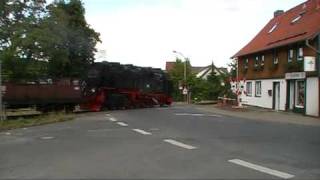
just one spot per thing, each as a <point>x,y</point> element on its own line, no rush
<point>233,69</point>
<point>18,47</point>
<point>38,41</point>
<point>73,47</point>
<point>177,77</point>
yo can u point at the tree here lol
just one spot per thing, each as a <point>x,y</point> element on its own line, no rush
<point>177,77</point>
<point>233,68</point>
<point>18,48</point>
<point>38,41</point>
<point>73,48</point>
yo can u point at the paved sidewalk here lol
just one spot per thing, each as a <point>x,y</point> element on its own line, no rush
<point>255,113</point>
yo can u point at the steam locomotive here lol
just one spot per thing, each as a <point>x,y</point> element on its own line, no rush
<point>106,85</point>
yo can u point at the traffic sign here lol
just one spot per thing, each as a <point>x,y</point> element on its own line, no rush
<point>185,91</point>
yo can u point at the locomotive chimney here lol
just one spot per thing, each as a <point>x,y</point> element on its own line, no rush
<point>278,13</point>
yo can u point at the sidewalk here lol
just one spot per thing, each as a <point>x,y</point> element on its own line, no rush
<point>255,113</point>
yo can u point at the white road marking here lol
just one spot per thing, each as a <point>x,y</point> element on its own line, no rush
<point>122,124</point>
<point>47,137</point>
<point>180,144</point>
<point>7,133</point>
<point>262,169</point>
<point>142,131</point>
<point>196,114</point>
<point>99,130</point>
<point>112,119</point>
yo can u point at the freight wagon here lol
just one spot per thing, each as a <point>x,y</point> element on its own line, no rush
<point>48,95</point>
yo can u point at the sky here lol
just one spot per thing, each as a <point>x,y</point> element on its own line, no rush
<point>146,32</point>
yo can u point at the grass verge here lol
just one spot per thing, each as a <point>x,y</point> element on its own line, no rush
<point>35,121</point>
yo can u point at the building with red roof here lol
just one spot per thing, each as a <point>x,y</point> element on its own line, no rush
<point>280,65</point>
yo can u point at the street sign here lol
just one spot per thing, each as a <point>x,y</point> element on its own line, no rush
<point>185,91</point>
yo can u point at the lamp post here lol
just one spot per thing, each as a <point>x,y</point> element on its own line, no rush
<point>184,71</point>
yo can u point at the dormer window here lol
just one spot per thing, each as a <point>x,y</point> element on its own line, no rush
<point>296,19</point>
<point>273,28</point>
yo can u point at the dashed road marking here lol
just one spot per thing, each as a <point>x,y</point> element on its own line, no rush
<point>179,144</point>
<point>112,119</point>
<point>47,137</point>
<point>122,124</point>
<point>99,130</point>
<point>7,133</point>
<point>197,114</point>
<point>142,131</point>
<point>262,169</point>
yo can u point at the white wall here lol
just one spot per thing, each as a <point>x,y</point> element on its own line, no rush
<point>312,97</point>
<point>265,100</point>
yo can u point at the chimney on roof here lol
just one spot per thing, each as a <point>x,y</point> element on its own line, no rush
<point>278,13</point>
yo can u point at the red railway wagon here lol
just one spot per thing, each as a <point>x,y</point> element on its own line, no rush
<point>63,94</point>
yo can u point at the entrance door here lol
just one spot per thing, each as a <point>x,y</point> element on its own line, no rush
<point>276,96</point>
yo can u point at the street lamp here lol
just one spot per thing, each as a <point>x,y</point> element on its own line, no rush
<point>184,69</point>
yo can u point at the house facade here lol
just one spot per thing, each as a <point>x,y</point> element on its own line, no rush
<point>280,66</point>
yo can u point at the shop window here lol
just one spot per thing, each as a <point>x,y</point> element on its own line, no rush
<point>300,94</point>
<point>300,54</point>
<point>249,88</point>
<point>290,55</point>
<point>258,88</point>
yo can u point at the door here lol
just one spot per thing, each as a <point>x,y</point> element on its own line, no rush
<point>276,96</point>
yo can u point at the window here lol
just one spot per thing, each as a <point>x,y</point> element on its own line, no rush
<point>300,93</point>
<point>258,88</point>
<point>275,57</point>
<point>262,60</point>
<point>296,19</point>
<point>290,55</point>
<point>300,54</point>
<point>249,88</point>
<point>273,28</point>
<point>245,64</point>
<point>256,62</point>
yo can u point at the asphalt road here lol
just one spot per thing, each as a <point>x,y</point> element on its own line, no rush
<point>178,142</point>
